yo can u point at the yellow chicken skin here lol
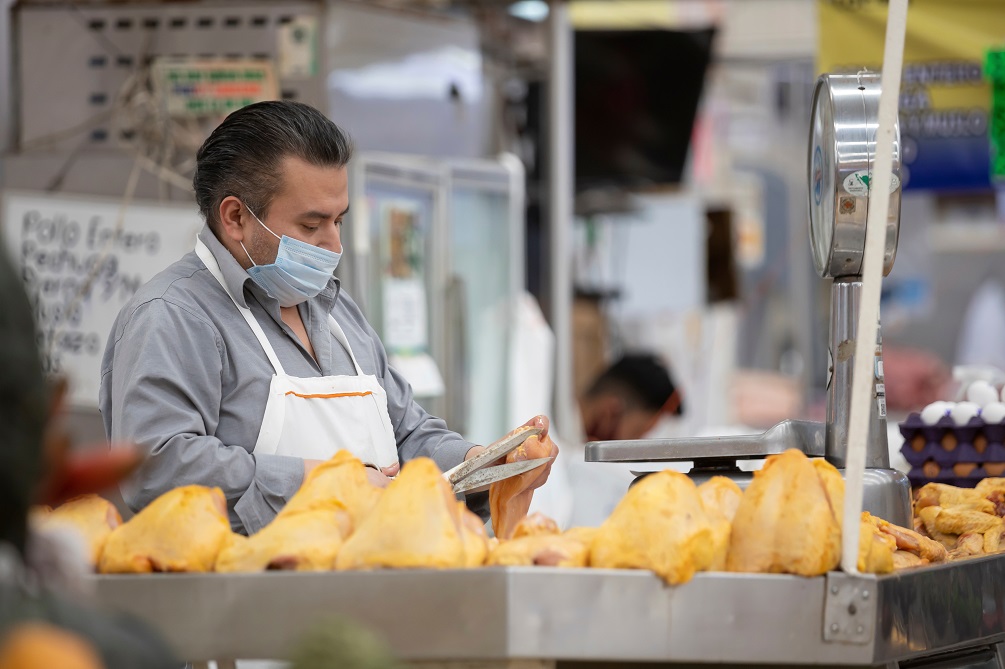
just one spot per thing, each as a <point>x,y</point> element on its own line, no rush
<point>957,520</point>
<point>969,544</point>
<point>476,538</point>
<point>907,560</point>
<point>570,549</point>
<point>92,517</point>
<point>785,521</point>
<point>305,541</point>
<point>535,524</point>
<point>721,494</point>
<point>909,541</point>
<point>183,530</point>
<point>416,524</point>
<point>509,499</point>
<point>338,483</point>
<point>661,525</point>
<point>990,485</point>
<point>941,494</point>
<point>721,497</point>
<point>875,550</point>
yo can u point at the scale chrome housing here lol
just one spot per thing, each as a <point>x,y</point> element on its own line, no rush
<point>842,149</point>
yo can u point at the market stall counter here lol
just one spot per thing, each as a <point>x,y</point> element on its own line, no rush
<point>588,615</point>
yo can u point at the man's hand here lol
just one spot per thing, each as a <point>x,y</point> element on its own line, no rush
<point>542,477</point>
<point>309,466</point>
<point>377,478</point>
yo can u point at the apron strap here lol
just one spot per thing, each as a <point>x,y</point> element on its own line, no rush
<point>337,332</point>
<point>214,268</point>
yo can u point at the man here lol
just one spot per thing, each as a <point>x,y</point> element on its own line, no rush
<point>243,365</point>
<point>627,400</point>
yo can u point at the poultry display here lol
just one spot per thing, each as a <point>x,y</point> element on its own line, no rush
<point>966,521</point>
<point>417,523</point>
<point>182,530</point>
<point>913,549</point>
<point>661,524</point>
<point>546,549</point>
<point>303,541</point>
<point>93,518</point>
<point>334,499</point>
<point>768,537</point>
<point>509,499</point>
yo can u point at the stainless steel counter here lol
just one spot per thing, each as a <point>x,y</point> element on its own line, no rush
<point>586,614</point>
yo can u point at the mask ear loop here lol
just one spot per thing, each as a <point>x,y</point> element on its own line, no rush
<point>255,216</point>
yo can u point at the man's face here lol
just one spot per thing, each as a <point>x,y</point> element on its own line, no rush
<point>309,207</point>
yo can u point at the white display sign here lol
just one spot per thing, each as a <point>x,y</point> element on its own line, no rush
<point>405,327</point>
<point>82,264</point>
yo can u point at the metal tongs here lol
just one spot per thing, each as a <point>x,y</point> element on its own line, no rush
<point>475,473</point>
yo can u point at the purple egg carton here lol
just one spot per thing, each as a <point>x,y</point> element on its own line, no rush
<point>918,477</point>
<point>947,444</point>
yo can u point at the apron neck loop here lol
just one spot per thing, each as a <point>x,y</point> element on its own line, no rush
<point>213,266</point>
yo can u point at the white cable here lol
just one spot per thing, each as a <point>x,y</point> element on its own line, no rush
<point>872,276</point>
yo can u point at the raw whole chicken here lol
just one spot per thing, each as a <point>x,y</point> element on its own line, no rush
<point>182,530</point>
<point>417,523</point>
<point>786,521</point>
<point>661,524</point>
<point>304,541</point>
<point>93,518</point>
<point>340,483</point>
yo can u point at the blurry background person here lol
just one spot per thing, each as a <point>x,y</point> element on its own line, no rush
<point>40,624</point>
<point>627,400</point>
<point>634,398</point>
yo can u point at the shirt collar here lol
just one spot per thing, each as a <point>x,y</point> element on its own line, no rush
<point>237,279</point>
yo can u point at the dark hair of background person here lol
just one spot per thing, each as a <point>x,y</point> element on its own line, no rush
<point>24,408</point>
<point>242,156</point>
<point>640,380</point>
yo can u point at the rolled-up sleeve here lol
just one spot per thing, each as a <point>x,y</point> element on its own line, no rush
<point>162,390</point>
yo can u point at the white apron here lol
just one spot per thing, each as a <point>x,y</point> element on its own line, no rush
<point>313,418</point>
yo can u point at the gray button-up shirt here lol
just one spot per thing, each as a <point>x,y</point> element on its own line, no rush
<point>184,377</point>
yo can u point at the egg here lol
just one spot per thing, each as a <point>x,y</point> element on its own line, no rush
<point>982,393</point>
<point>963,412</point>
<point>993,413</point>
<point>931,414</point>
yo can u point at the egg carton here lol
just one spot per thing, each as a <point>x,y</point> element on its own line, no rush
<point>961,475</point>
<point>945,452</point>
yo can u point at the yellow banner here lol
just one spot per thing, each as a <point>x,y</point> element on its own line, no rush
<point>944,99</point>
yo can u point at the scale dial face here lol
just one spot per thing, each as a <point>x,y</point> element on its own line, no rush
<point>822,187</point>
<point>842,149</point>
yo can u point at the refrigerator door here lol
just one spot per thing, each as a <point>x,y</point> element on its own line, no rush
<point>485,213</point>
<point>397,269</point>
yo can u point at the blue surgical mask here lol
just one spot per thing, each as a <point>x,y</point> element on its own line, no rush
<point>300,272</point>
